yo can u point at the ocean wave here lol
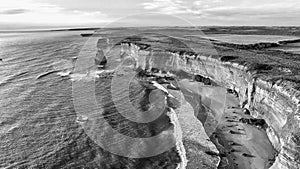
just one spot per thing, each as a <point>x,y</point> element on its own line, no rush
<point>64,73</point>
<point>62,68</point>
<point>91,75</point>
<point>46,74</point>
<point>12,78</point>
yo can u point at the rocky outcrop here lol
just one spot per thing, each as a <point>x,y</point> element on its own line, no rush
<point>277,102</point>
<point>100,59</point>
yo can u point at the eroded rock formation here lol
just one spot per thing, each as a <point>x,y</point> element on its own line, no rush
<point>276,102</point>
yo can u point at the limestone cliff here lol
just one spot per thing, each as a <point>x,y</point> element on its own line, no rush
<point>275,101</point>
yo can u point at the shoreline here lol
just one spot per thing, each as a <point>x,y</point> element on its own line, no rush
<point>236,141</point>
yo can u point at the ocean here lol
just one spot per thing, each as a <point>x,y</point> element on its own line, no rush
<point>38,127</point>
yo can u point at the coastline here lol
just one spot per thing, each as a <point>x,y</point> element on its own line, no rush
<point>237,142</point>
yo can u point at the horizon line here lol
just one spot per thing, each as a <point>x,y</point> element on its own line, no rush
<point>96,28</point>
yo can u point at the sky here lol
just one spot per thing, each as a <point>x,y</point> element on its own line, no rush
<point>49,14</point>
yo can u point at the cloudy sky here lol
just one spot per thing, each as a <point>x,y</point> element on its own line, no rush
<point>37,14</point>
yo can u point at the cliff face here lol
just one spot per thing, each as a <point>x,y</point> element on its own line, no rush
<point>277,102</point>
<point>192,147</point>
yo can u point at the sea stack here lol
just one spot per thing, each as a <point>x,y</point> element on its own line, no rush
<point>100,59</point>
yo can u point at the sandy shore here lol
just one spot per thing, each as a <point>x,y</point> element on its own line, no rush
<point>241,145</point>
<point>246,146</point>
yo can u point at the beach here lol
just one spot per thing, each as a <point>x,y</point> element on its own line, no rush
<point>241,145</point>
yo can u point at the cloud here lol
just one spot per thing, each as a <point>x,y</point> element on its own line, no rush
<point>178,6</point>
<point>13,11</point>
<point>32,12</point>
<point>230,10</point>
<point>222,7</point>
<point>259,10</point>
<point>51,13</point>
<point>165,6</point>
